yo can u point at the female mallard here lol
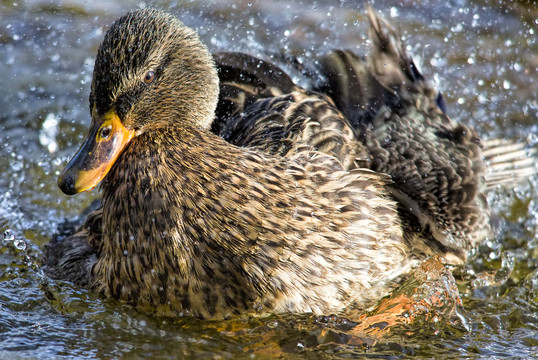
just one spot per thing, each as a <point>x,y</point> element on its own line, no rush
<point>279,214</point>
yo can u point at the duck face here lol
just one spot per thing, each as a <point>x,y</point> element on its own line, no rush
<point>151,72</point>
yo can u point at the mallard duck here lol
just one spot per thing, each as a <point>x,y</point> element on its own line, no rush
<point>227,189</point>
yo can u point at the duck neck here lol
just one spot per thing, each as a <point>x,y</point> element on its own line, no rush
<point>164,183</point>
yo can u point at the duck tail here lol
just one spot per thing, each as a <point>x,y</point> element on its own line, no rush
<point>361,86</point>
<point>388,61</point>
<point>509,162</point>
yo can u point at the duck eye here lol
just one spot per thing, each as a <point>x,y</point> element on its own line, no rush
<point>149,77</point>
<point>105,131</point>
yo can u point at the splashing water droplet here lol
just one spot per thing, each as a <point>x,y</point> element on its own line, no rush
<point>273,324</point>
<point>19,244</point>
<point>48,133</point>
<point>8,235</point>
<point>532,139</point>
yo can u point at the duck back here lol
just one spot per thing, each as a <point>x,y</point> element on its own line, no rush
<point>376,112</point>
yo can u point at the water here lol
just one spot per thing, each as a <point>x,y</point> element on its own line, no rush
<point>482,55</point>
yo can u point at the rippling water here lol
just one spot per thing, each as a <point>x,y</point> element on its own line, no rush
<point>484,57</point>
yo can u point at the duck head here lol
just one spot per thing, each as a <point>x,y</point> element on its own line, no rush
<point>151,72</point>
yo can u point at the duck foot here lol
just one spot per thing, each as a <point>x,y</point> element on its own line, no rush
<point>428,296</point>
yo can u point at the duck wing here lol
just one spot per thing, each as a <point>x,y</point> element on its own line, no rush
<point>436,165</point>
<point>376,112</point>
<point>261,107</point>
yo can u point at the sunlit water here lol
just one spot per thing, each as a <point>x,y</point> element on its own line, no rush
<point>483,57</point>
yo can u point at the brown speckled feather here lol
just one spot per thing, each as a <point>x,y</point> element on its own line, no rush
<point>274,115</point>
<point>436,165</point>
<point>387,118</point>
<point>255,233</point>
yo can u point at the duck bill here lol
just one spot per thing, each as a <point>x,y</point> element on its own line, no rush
<point>105,141</point>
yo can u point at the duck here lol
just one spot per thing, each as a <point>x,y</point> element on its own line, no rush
<point>228,189</point>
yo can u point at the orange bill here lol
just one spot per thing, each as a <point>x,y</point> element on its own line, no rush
<point>103,144</point>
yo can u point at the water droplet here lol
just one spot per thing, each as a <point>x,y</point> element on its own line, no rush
<point>8,235</point>
<point>458,28</point>
<point>20,244</point>
<point>532,139</point>
<point>49,130</point>
<point>272,324</point>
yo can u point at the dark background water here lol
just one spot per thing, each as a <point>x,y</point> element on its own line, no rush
<point>483,55</point>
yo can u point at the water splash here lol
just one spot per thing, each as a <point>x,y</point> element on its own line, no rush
<point>48,133</point>
<point>8,236</point>
<point>20,245</point>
